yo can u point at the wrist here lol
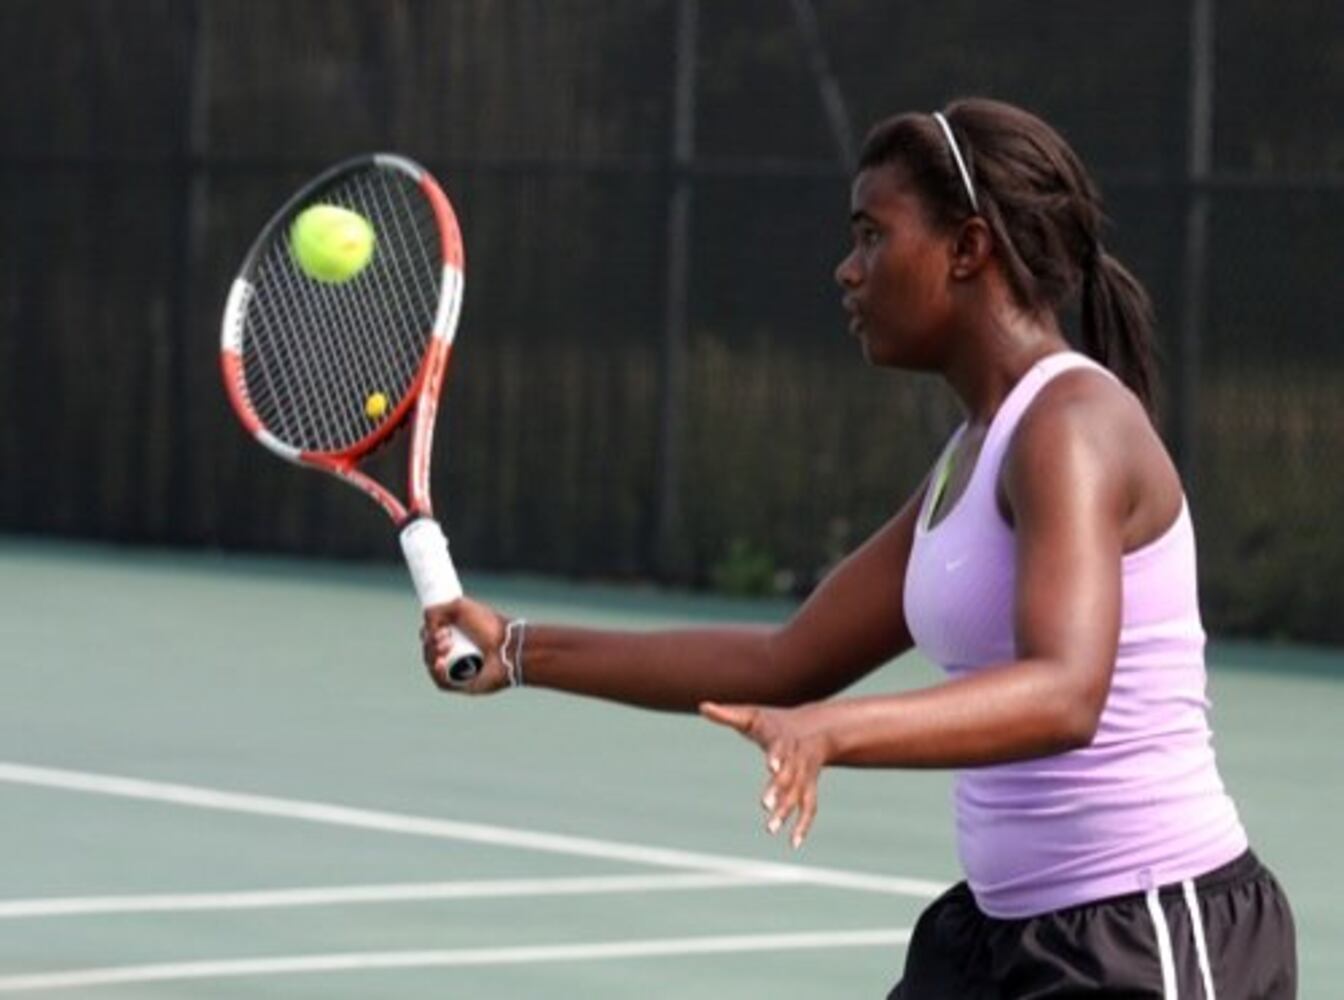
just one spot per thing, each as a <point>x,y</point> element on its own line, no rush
<point>819,724</point>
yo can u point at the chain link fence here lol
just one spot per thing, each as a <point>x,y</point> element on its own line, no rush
<point>143,143</point>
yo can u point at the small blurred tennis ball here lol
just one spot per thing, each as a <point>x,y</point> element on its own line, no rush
<point>331,243</point>
<point>375,406</point>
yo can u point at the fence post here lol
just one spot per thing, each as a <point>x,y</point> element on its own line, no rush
<point>181,484</point>
<point>1199,162</point>
<point>828,87</point>
<point>671,553</point>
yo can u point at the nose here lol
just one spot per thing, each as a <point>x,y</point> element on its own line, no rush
<point>847,271</point>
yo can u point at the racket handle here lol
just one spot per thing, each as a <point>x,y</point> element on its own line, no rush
<point>435,578</point>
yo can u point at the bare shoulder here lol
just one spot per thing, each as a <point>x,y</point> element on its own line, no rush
<point>1085,408</point>
<point>1086,431</point>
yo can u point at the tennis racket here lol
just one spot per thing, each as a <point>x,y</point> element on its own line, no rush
<point>324,373</point>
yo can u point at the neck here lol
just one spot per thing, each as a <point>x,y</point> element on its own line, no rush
<point>994,355</point>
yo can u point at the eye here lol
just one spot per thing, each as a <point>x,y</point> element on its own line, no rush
<point>868,235</point>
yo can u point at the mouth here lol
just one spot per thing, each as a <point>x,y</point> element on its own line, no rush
<point>855,315</point>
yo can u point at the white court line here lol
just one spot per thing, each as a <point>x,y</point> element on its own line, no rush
<point>353,961</point>
<point>347,894</point>
<point>495,836</point>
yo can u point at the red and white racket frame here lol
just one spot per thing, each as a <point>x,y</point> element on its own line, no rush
<point>422,539</point>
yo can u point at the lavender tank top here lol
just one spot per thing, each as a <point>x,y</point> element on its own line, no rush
<point>1143,805</point>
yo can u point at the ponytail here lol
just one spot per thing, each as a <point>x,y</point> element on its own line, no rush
<point>1117,325</point>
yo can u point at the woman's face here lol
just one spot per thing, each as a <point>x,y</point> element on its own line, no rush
<point>896,278</point>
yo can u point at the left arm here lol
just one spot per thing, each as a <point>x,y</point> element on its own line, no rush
<point>1066,486</point>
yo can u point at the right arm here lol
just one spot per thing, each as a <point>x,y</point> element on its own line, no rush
<point>850,625</point>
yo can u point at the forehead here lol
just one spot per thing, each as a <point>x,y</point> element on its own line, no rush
<point>882,192</point>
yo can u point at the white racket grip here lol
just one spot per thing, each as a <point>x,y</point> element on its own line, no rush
<point>426,549</point>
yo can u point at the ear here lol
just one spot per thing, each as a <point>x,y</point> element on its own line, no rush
<point>971,249</point>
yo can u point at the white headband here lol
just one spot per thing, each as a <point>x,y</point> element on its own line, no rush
<point>956,155</point>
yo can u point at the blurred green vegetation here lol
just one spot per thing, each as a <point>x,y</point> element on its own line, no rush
<point>806,473</point>
<point>1270,503</point>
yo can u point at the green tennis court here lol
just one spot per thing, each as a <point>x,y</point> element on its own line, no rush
<point>227,776</point>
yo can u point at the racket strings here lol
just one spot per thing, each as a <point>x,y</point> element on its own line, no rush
<point>315,353</point>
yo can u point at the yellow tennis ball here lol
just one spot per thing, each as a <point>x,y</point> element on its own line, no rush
<point>331,243</point>
<point>375,406</point>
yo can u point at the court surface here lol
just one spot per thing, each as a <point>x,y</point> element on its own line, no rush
<point>224,776</point>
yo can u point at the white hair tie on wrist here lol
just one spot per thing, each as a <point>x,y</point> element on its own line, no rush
<point>513,665</point>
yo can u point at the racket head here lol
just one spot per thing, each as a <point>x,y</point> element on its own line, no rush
<point>301,357</point>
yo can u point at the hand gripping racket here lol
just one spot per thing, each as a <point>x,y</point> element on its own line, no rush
<point>323,373</point>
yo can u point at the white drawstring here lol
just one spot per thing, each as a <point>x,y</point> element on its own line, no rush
<point>1201,945</point>
<point>1163,934</point>
<point>1163,943</point>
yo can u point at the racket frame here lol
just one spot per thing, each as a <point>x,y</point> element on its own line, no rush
<point>419,404</point>
<point>425,389</point>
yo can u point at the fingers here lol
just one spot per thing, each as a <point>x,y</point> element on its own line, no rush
<point>791,792</point>
<point>436,642</point>
<point>441,615</point>
<point>793,761</point>
<point>479,622</point>
<point>438,645</point>
<point>448,625</point>
<point>806,815</point>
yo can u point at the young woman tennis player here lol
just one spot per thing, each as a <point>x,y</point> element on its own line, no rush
<point>1047,563</point>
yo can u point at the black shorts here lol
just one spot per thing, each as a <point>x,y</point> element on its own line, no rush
<point>1114,947</point>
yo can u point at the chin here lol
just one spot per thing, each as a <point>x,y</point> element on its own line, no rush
<point>897,352</point>
<point>882,355</point>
